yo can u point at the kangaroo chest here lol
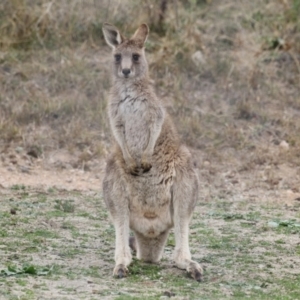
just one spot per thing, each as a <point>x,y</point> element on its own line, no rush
<point>134,107</point>
<point>135,119</point>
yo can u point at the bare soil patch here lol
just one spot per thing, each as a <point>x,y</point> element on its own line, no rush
<point>54,171</point>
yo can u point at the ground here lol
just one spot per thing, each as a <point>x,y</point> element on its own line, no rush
<point>57,241</point>
<point>228,73</point>
<point>41,173</point>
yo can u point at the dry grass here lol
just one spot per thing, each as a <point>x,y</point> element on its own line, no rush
<point>229,73</point>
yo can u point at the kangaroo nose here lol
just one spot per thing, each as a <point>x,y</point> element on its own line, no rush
<point>126,72</point>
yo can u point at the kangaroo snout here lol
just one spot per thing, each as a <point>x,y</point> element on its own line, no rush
<point>126,72</point>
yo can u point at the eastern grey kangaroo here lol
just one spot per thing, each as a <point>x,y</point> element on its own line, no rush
<point>150,185</point>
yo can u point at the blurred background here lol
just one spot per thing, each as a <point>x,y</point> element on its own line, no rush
<point>228,72</point>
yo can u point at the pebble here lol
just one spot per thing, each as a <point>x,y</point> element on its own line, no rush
<point>198,58</point>
<point>273,224</point>
<point>19,149</point>
<point>206,163</point>
<point>284,145</point>
<point>25,169</point>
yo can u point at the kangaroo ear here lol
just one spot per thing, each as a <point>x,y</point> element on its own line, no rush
<point>141,34</point>
<point>112,35</point>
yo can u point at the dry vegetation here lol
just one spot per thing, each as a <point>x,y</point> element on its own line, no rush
<point>229,72</point>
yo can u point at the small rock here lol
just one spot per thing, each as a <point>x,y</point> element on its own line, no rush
<point>34,152</point>
<point>273,224</point>
<point>169,294</point>
<point>198,58</point>
<point>13,211</point>
<point>25,169</point>
<point>206,163</point>
<point>19,149</point>
<point>264,285</point>
<point>284,145</point>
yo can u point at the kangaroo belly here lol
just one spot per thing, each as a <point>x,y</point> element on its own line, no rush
<point>150,206</point>
<point>153,226</point>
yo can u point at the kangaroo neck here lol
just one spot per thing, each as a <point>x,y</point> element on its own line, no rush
<point>129,86</point>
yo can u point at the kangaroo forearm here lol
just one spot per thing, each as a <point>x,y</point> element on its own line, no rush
<point>120,137</point>
<point>155,131</point>
<point>153,136</point>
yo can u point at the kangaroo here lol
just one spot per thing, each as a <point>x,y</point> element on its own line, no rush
<point>150,185</point>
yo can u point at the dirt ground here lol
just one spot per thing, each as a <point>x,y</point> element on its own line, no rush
<point>244,232</point>
<point>279,183</point>
<point>54,171</point>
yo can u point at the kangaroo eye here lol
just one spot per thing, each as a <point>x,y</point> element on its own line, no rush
<point>118,57</point>
<point>135,57</point>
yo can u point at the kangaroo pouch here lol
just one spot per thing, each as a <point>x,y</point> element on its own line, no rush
<point>150,205</point>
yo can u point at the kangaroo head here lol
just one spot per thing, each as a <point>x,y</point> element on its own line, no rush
<point>129,54</point>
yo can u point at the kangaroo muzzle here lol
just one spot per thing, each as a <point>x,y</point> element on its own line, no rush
<point>126,72</point>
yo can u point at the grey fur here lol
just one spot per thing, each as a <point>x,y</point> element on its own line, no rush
<point>150,185</point>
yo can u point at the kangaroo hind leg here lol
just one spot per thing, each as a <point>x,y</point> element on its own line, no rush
<point>185,192</point>
<point>116,200</point>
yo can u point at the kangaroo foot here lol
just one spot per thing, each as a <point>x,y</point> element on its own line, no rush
<point>120,271</point>
<point>195,270</point>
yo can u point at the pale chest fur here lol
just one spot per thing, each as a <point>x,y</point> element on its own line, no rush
<point>135,112</point>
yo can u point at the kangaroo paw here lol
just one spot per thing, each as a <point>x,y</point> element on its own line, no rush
<point>146,166</point>
<point>133,170</point>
